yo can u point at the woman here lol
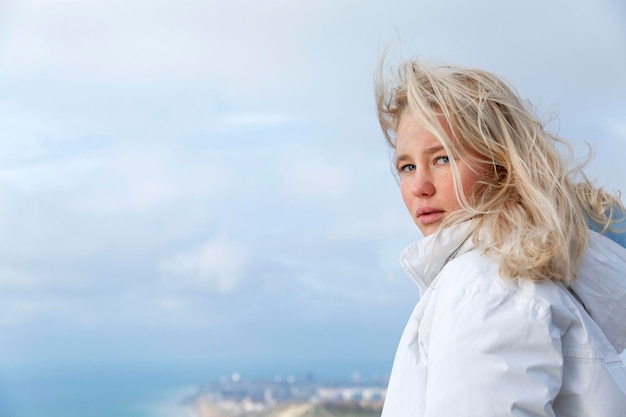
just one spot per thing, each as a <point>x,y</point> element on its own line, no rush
<point>522,308</point>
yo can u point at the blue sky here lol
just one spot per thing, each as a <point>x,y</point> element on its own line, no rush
<point>203,184</point>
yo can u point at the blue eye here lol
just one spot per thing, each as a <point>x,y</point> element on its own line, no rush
<point>442,160</point>
<point>406,168</point>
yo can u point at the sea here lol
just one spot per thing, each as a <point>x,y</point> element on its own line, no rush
<point>117,390</point>
<point>97,394</point>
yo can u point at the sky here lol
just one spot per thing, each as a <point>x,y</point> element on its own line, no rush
<point>203,185</point>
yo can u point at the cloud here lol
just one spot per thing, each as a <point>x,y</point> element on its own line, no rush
<point>223,40</point>
<point>48,175</point>
<point>30,295</point>
<point>310,178</point>
<point>94,204</point>
<point>138,178</point>
<point>254,120</point>
<point>17,312</point>
<point>391,223</point>
<point>216,266</point>
<point>618,129</point>
<point>12,278</point>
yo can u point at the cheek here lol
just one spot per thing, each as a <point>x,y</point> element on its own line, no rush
<point>405,191</point>
<point>469,178</point>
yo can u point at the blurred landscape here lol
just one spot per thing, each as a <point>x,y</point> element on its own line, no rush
<point>289,397</point>
<point>298,410</point>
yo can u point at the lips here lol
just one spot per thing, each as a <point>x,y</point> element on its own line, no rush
<point>429,215</point>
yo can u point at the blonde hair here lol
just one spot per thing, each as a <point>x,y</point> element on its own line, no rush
<point>532,206</point>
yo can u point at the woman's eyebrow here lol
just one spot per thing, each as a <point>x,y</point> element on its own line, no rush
<point>432,150</point>
<point>402,157</point>
<point>427,152</point>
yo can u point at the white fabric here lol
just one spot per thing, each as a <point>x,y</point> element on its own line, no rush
<point>602,287</point>
<point>480,345</point>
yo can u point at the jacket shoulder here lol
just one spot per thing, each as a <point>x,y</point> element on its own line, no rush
<point>474,278</point>
<point>472,282</point>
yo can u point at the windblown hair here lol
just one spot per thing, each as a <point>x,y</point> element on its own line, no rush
<point>532,207</point>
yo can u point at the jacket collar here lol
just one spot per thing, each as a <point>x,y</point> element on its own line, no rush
<point>424,259</point>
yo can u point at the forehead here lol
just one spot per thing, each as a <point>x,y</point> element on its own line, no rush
<point>413,134</point>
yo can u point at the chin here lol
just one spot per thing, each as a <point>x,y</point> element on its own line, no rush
<point>429,229</point>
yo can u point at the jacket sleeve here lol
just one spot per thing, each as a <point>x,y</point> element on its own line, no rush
<point>491,352</point>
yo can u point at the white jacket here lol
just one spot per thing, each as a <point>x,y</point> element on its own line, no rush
<point>480,345</point>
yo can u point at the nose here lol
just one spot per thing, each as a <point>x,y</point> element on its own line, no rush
<point>422,184</point>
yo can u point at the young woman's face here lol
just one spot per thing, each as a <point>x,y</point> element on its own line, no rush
<point>426,179</point>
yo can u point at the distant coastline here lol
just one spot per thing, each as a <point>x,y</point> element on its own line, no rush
<point>289,397</point>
